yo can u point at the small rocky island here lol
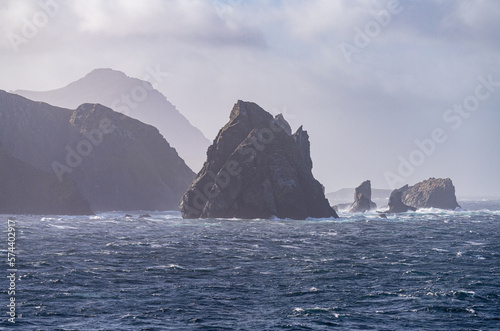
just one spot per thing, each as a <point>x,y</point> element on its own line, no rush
<point>431,193</point>
<point>363,198</point>
<point>256,168</point>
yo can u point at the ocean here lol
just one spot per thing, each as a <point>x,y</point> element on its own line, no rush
<point>426,270</point>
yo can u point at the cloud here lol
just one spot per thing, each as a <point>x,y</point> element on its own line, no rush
<point>187,20</point>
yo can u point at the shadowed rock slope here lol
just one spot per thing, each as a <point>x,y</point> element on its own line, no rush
<point>117,162</point>
<point>27,190</point>
<point>256,168</point>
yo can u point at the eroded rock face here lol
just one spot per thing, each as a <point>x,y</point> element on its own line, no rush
<point>363,198</point>
<point>256,168</point>
<point>396,204</point>
<point>432,193</point>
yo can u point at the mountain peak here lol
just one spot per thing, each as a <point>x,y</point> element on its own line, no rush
<point>106,73</point>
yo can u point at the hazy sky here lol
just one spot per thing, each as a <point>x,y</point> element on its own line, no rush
<point>392,91</point>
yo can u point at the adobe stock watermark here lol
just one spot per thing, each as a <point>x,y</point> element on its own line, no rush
<point>12,270</point>
<point>32,25</point>
<point>372,29</point>
<point>454,117</point>
<point>126,102</point>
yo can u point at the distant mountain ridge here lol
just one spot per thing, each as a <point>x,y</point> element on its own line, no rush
<point>135,98</point>
<point>117,163</point>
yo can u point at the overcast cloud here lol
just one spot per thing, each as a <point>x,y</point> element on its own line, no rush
<point>363,108</point>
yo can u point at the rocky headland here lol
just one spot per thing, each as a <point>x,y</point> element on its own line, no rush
<point>116,162</point>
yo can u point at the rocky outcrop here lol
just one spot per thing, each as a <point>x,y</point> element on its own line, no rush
<point>135,98</point>
<point>256,168</point>
<point>27,190</point>
<point>432,193</point>
<point>116,162</point>
<point>396,204</point>
<point>363,198</point>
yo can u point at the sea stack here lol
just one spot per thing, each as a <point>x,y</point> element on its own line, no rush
<point>363,198</point>
<point>256,168</point>
<point>431,193</point>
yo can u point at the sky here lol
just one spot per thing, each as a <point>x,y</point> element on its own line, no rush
<point>391,91</point>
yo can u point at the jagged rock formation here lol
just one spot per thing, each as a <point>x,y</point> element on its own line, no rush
<point>117,162</point>
<point>256,168</point>
<point>431,193</point>
<point>27,190</point>
<point>135,98</point>
<point>396,204</point>
<point>363,198</point>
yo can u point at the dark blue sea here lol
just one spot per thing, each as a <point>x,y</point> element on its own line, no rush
<point>427,270</point>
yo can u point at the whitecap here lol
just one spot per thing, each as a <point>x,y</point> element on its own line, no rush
<point>475,243</point>
<point>63,226</point>
<point>45,219</point>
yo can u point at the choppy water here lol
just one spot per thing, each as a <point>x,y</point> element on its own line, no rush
<point>430,270</point>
